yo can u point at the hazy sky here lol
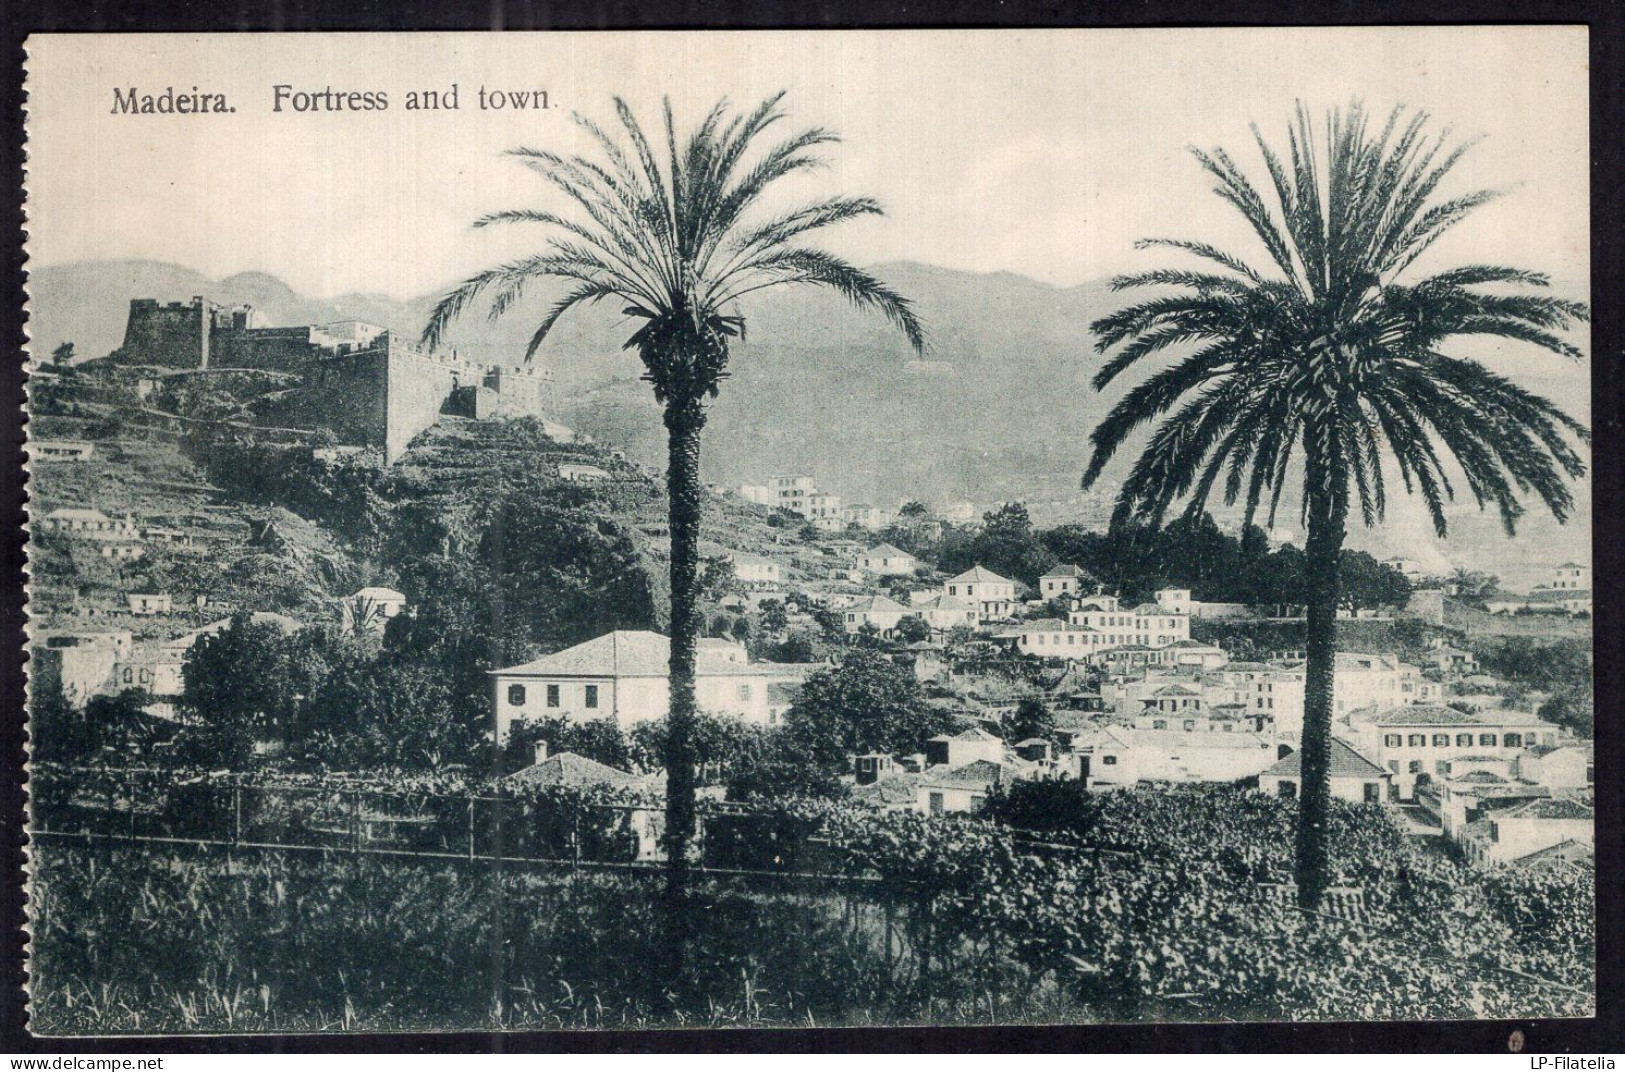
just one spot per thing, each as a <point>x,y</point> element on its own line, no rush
<point>1044,153</point>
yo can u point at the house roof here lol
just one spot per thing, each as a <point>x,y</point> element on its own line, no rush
<point>1181,739</point>
<point>377,592</point>
<point>979,575</point>
<point>568,768</point>
<point>77,513</point>
<point>1065,570</point>
<point>878,604</point>
<point>1568,852</point>
<point>897,788</point>
<point>624,653</point>
<point>1552,808</point>
<point>1425,715</point>
<point>1345,762</point>
<point>886,550</point>
<point>1176,690</point>
<point>978,774</point>
<point>975,733</point>
<point>1557,595</point>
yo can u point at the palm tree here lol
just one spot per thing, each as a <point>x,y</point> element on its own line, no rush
<point>1333,346</point>
<point>676,236</point>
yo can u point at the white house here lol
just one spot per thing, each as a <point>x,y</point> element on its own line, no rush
<point>1354,778</point>
<point>1118,756</point>
<point>76,519</point>
<point>754,569</point>
<point>623,676</point>
<point>581,474</point>
<point>994,597</point>
<point>864,515</point>
<point>375,604</point>
<point>888,561</point>
<point>967,746</point>
<point>61,450</point>
<point>882,612</point>
<point>1063,580</point>
<point>1054,639</point>
<point>1420,743</point>
<point>1529,828</point>
<point>1150,625</point>
<point>1559,766</point>
<point>150,603</point>
<point>945,612</point>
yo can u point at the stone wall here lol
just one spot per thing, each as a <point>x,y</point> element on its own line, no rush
<point>418,388</point>
<point>175,335</point>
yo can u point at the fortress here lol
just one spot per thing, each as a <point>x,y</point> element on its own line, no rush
<point>355,379</point>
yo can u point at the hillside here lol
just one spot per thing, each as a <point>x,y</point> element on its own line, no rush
<point>1000,410</point>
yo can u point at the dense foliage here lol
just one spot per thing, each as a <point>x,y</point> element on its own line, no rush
<point>1161,909</point>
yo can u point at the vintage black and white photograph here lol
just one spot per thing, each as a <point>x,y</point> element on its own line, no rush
<point>643,530</point>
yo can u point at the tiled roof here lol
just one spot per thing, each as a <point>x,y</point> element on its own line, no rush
<point>1552,808</point>
<point>979,774</point>
<point>1569,852</point>
<point>377,592</point>
<point>1345,763</point>
<point>979,575</point>
<point>1065,570</point>
<point>567,768</point>
<point>899,788</point>
<point>878,605</point>
<point>624,653</point>
<point>1425,715</point>
<point>886,550</point>
<point>1181,739</point>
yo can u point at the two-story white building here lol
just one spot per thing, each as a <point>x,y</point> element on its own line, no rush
<point>623,676</point>
<point>1063,580</point>
<point>994,597</point>
<point>1420,743</point>
<point>1150,625</point>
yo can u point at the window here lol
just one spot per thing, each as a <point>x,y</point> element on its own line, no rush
<point>1417,740</point>
<point>953,589</point>
<point>1464,740</point>
<point>1190,724</point>
<point>1415,766</point>
<point>516,695</point>
<point>1441,740</point>
<point>744,692</point>
<point>552,696</point>
<point>1392,740</point>
<point>936,803</point>
<point>1513,740</point>
<point>1442,767</point>
<point>1159,723</point>
<point>591,696</point>
<point>1487,738</point>
<point>1108,761</point>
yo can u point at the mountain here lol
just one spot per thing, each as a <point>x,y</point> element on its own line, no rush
<point>1000,408</point>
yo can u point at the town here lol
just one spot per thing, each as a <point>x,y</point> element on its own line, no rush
<point>1052,675</point>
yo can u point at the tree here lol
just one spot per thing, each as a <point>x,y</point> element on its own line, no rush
<point>672,237</point>
<point>914,511</point>
<point>867,704</point>
<point>62,356</point>
<point>774,617</point>
<point>1031,718</point>
<point>912,629</point>
<point>1334,348</point>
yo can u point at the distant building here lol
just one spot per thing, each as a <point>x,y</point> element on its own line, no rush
<point>1421,743</point>
<point>968,746</point>
<point>1354,778</point>
<point>1149,625</point>
<point>888,561</point>
<point>84,520</point>
<point>1408,567</point>
<point>756,570</point>
<point>150,603</point>
<point>370,608</point>
<point>863,515</point>
<point>1064,580</point>
<point>623,676</point>
<point>882,612</point>
<point>1530,828</point>
<point>581,474</point>
<point>1114,756</point>
<point>994,597</point>
<point>61,450</point>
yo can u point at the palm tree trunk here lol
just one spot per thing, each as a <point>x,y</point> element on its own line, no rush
<point>1323,549</point>
<point>684,420</point>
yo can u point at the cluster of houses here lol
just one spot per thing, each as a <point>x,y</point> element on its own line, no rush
<point>117,538</point>
<point>1568,592</point>
<point>1135,699</point>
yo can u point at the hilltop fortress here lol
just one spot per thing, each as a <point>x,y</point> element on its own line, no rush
<point>355,379</point>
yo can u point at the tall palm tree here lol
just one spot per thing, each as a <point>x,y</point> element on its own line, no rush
<point>1332,346</point>
<point>677,235</point>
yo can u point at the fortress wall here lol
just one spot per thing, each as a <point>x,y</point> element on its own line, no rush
<point>279,349</point>
<point>417,387</point>
<point>346,395</point>
<point>174,335</point>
